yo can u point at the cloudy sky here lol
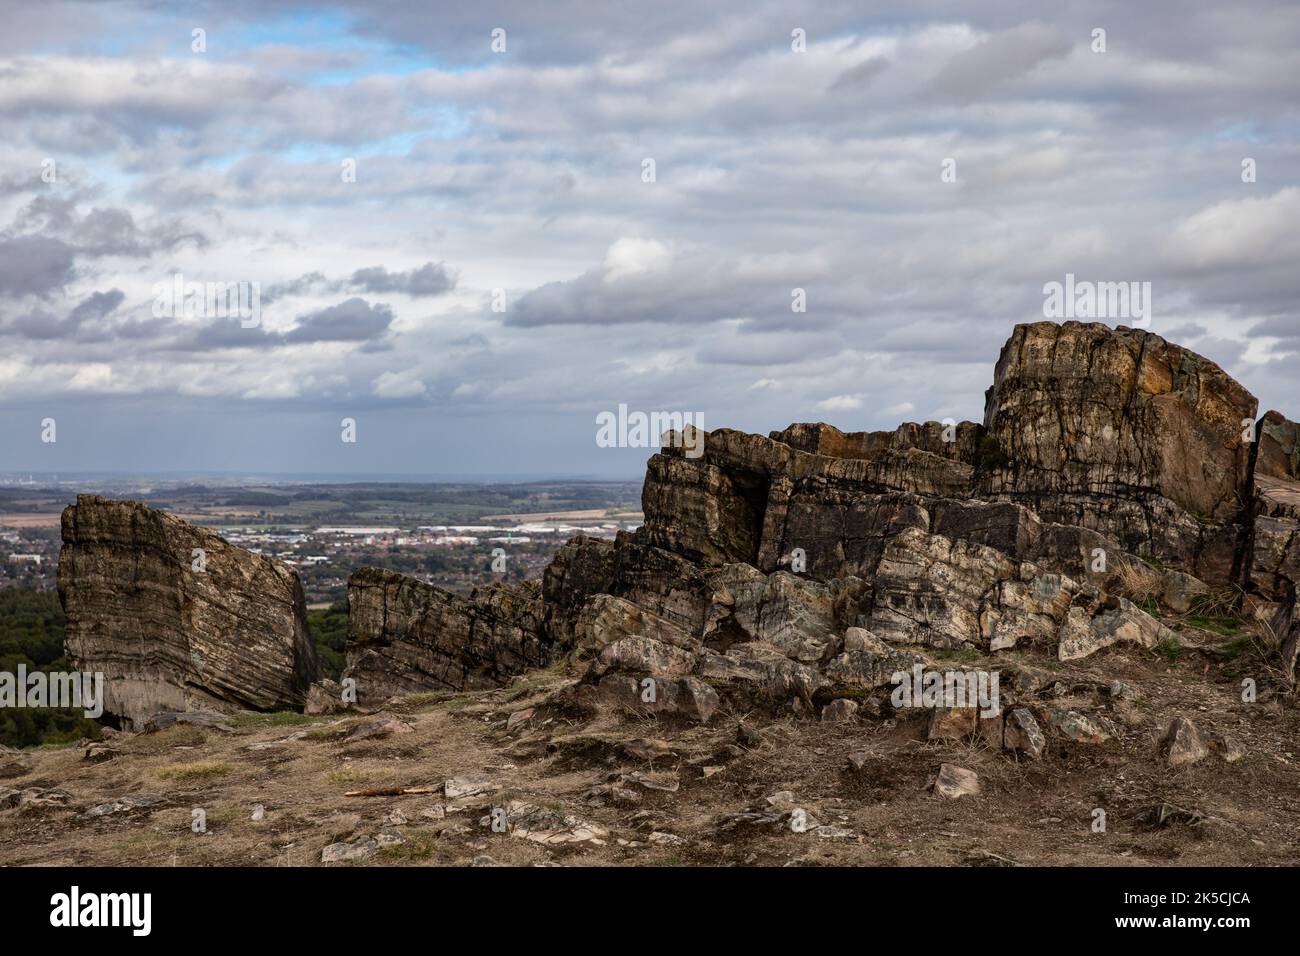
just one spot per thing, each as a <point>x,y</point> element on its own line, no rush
<point>457,246</point>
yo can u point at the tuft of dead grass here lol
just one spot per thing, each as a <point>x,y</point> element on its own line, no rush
<point>1137,581</point>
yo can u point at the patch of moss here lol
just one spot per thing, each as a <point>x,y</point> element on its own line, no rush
<point>1224,625</point>
<point>1170,648</point>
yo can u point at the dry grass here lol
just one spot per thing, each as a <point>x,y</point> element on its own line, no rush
<point>1137,581</point>
<point>198,770</point>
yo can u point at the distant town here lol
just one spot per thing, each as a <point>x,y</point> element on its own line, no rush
<point>455,535</point>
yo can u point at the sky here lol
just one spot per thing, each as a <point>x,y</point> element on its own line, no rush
<point>474,228</point>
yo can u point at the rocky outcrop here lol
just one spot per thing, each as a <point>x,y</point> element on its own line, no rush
<point>810,565</point>
<point>175,618</point>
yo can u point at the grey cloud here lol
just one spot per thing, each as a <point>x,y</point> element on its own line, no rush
<point>860,76</point>
<point>971,74</point>
<point>429,279</point>
<point>34,265</point>
<point>353,320</point>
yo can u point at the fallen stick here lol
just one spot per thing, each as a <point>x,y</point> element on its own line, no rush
<point>390,791</point>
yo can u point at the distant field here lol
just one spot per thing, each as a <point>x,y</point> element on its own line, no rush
<point>591,514</point>
<point>31,519</point>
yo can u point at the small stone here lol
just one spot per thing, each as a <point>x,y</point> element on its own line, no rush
<point>98,753</point>
<point>647,748</point>
<point>782,800</point>
<point>519,718</point>
<point>1021,734</point>
<point>832,833</point>
<point>435,812</point>
<point>259,813</point>
<point>457,788</point>
<point>952,782</point>
<point>860,639</point>
<point>396,818</point>
<point>360,849</point>
<point>1074,726</point>
<point>840,711</point>
<point>1121,691</point>
<point>1182,744</point>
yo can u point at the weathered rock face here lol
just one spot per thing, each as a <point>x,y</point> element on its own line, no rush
<point>405,636</point>
<point>1086,409</point>
<point>811,565</point>
<point>175,617</point>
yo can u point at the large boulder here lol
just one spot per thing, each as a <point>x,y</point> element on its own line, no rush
<point>177,618</point>
<point>405,636</point>
<point>1082,408</point>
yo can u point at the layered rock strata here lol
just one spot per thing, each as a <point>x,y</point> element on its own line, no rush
<point>174,617</point>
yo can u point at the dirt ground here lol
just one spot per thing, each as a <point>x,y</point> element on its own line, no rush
<point>603,788</point>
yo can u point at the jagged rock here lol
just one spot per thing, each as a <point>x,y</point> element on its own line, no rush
<point>1022,734</point>
<point>1086,409</point>
<point>641,655</point>
<point>929,589</point>
<point>375,729</point>
<point>1286,626</point>
<point>1181,590</point>
<point>1115,619</point>
<point>405,636</point>
<point>1279,448</point>
<point>952,782</point>
<point>1182,744</point>
<point>794,614</point>
<point>678,696</point>
<point>605,620</point>
<point>1027,609</point>
<point>797,568</point>
<point>859,639</point>
<point>325,697</point>
<point>762,670</point>
<point>1076,727</point>
<point>175,617</point>
<point>519,718</point>
<point>960,442</point>
<point>98,753</point>
<point>873,665</point>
